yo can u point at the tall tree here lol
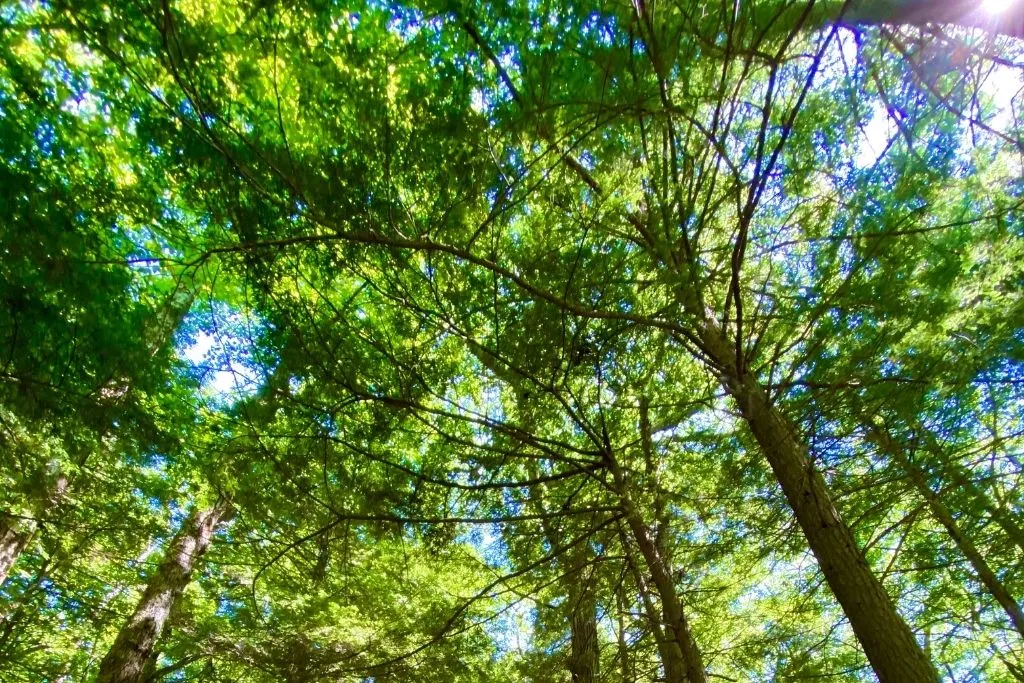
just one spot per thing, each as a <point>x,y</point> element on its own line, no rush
<point>478,299</point>
<point>132,649</point>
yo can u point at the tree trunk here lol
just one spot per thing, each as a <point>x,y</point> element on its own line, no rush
<point>669,652</point>
<point>15,533</point>
<point>888,642</point>
<point>681,651</point>
<point>961,477</point>
<point>966,13</point>
<point>620,604</point>
<point>678,631</point>
<point>14,536</point>
<point>999,515</point>
<point>127,658</point>
<point>584,653</point>
<point>583,657</point>
<point>942,514</point>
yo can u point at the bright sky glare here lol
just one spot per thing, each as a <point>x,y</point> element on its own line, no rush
<point>225,381</point>
<point>996,6</point>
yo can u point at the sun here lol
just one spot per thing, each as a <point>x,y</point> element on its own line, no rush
<point>996,6</point>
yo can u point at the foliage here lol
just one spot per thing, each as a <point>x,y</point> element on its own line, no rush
<point>467,308</point>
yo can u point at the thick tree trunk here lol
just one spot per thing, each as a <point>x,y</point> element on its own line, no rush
<point>967,13</point>
<point>583,656</point>
<point>888,642</point>
<point>942,514</point>
<point>127,658</point>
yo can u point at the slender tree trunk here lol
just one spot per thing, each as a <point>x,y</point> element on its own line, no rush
<point>1015,671</point>
<point>961,477</point>
<point>620,604</point>
<point>583,666</point>
<point>999,515</point>
<point>584,653</point>
<point>888,642</point>
<point>678,627</point>
<point>15,533</point>
<point>583,658</point>
<point>127,658</point>
<point>678,632</point>
<point>14,536</point>
<point>942,514</point>
<point>669,652</point>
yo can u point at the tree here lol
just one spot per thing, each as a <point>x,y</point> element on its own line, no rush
<point>515,294</point>
<point>129,655</point>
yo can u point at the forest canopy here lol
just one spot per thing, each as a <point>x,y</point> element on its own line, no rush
<point>461,341</point>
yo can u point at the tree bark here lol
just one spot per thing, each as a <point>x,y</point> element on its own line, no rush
<point>961,477</point>
<point>681,650</point>
<point>888,642</point>
<point>13,539</point>
<point>15,533</point>
<point>966,13</point>
<point>624,663</point>
<point>669,652</point>
<point>678,627</point>
<point>584,653</point>
<point>944,517</point>
<point>127,658</point>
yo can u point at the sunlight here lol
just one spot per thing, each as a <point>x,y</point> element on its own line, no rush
<point>484,342</point>
<point>996,6</point>
<point>1003,85</point>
